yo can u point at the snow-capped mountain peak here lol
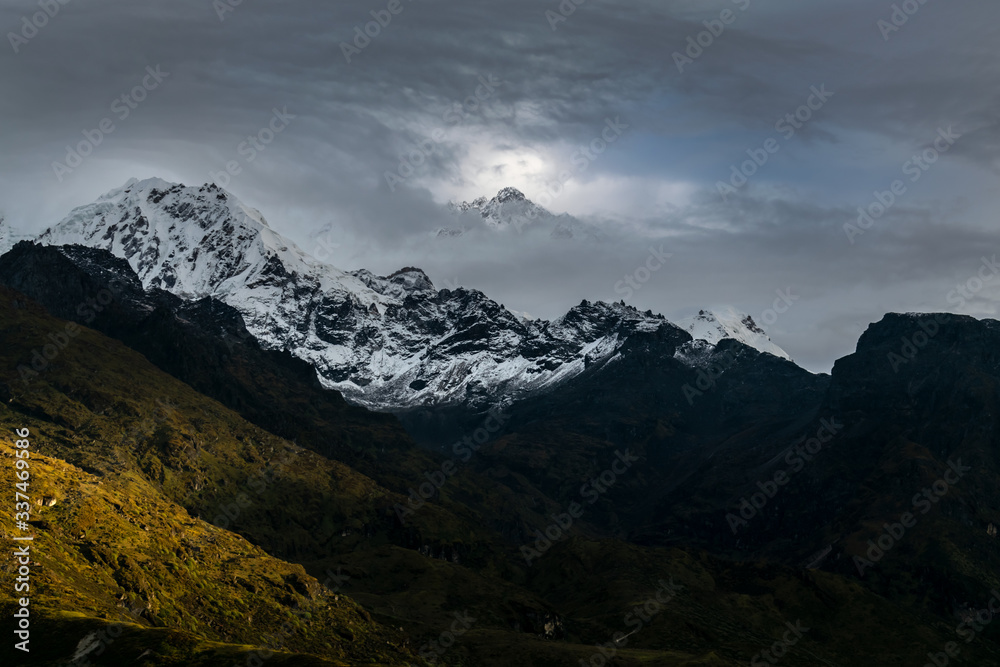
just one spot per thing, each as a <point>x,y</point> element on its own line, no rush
<point>387,342</point>
<point>510,194</point>
<point>510,209</point>
<point>712,326</point>
<point>192,241</point>
<point>145,184</point>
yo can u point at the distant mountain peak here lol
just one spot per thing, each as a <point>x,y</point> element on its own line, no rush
<point>508,208</point>
<point>384,341</point>
<point>715,325</point>
<point>407,269</point>
<point>135,185</point>
<point>510,194</point>
<point>412,278</point>
<point>511,209</point>
<point>388,342</point>
<point>190,240</point>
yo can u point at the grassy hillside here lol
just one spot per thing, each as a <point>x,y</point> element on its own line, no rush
<point>113,549</point>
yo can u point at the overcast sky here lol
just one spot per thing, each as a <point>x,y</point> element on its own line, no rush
<point>554,86</point>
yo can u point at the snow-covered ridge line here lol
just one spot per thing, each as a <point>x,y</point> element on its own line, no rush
<point>510,210</point>
<point>713,326</point>
<point>388,342</point>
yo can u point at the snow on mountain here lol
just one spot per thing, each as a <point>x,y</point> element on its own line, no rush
<point>511,210</point>
<point>386,342</point>
<point>713,326</point>
<point>9,236</point>
<point>6,242</point>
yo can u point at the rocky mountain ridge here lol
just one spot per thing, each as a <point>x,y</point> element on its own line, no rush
<point>388,343</point>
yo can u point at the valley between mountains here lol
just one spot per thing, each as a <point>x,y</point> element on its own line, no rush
<point>242,455</point>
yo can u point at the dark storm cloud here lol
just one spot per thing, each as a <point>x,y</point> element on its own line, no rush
<point>414,88</point>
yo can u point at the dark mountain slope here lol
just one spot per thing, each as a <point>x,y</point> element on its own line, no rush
<point>124,459</point>
<point>109,419</point>
<point>677,406</point>
<point>204,343</point>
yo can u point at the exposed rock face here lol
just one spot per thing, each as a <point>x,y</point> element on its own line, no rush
<point>204,342</point>
<point>389,343</point>
<point>511,211</point>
